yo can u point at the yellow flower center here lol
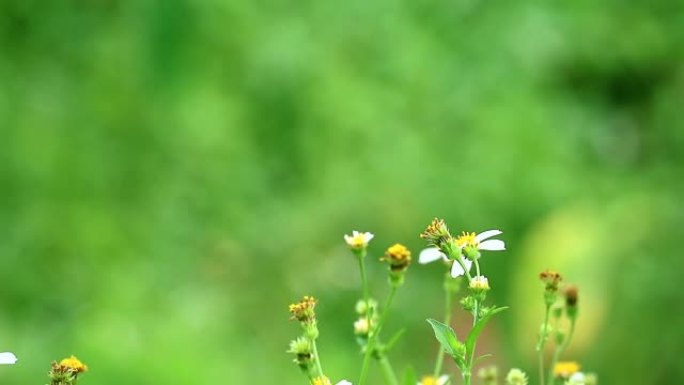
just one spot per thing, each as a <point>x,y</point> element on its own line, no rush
<point>322,380</point>
<point>466,239</point>
<point>566,369</point>
<point>74,364</point>
<point>428,380</point>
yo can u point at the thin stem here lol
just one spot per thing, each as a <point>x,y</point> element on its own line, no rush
<point>447,320</point>
<point>317,359</point>
<point>364,281</point>
<point>372,338</point>
<point>387,371</point>
<point>542,343</point>
<point>560,349</point>
<point>477,267</point>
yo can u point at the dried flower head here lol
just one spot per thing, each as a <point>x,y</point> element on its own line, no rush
<point>436,233</point>
<point>565,369</point>
<point>398,256</point>
<point>570,293</point>
<point>303,311</point>
<point>551,279</point>
<point>358,240</point>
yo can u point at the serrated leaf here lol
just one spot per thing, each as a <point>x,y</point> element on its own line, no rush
<point>477,329</point>
<point>447,338</point>
<point>409,376</point>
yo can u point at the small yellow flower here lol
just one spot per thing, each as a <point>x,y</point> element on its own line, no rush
<point>322,380</point>
<point>430,380</point>
<point>566,369</point>
<point>398,256</point>
<point>74,364</point>
<point>361,326</point>
<point>303,311</point>
<point>358,240</point>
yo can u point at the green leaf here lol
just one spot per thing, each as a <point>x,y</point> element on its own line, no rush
<point>447,338</point>
<point>482,357</point>
<point>409,376</point>
<point>477,329</point>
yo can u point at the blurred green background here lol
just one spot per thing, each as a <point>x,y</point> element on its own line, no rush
<point>175,173</point>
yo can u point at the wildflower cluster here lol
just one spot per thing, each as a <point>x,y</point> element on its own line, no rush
<point>461,255</point>
<point>66,371</point>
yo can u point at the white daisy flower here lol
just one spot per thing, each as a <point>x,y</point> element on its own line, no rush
<point>7,358</point>
<point>481,241</point>
<point>430,380</point>
<point>358,240</point>
<point>432,254</point>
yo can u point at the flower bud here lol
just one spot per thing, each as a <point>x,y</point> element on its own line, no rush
<point>437,233</point>
<point>301,348</point>
<point>479,283</point>
<point>571,298</point>
<point>362,326</point>
<point>489,375</point>
<point>516,377</point>
<point>362,308</point>
<point>551,279</point>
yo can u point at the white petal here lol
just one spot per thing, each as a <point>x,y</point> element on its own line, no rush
<point>457,270</point>
<point>493,245</point>
<point>344,382</point>
<point>369,236</point>
<point>442,379</point>
<point>7,358</point>
<point>430,254</point>
<point>577,378</point>
<point>487,234</point>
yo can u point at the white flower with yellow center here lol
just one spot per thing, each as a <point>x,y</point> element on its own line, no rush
<point>7,358</point>
<point>323,380</point>
<point>479,241</point>
<point>358,240</point>
<point>430,380</point>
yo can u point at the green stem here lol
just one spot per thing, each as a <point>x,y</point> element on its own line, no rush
<point>477,267</point>
<point>317,359</point>
<point>364,281</point>
<point>387,371</point>
<point>372,338</point>
<point>447,320</point>
<point>542,343</point>
<point>560,349</point>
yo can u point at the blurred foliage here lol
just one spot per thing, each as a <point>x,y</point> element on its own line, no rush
<point>175,173</point>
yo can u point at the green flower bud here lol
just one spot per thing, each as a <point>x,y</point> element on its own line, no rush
<point>516,377</point>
